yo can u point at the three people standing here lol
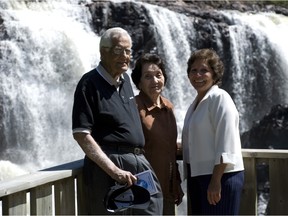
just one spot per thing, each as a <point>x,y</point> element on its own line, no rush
<point>107,126</point>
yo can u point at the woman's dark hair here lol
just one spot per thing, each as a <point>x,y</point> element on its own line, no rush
<point>147,58</point>
<point>212,59</point>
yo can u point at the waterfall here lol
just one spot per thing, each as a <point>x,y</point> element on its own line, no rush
<point>50,46</point>
<point>259,63</point>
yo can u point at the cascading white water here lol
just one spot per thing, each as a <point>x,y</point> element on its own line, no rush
<point>50,46</point>
<point>259,67</point>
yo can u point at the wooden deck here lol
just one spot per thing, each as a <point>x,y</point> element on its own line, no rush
<point>58,190</point>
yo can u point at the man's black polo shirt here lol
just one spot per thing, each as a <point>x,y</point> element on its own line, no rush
<point>111,116</point>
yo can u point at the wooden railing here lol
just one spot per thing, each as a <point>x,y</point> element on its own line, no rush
<point>58,190</point>
<point>277,162</point>
<point>54,191</point>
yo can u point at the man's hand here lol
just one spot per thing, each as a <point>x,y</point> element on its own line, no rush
<point>124,177</point>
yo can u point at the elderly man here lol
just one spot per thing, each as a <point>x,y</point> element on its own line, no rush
<point>107,126</point>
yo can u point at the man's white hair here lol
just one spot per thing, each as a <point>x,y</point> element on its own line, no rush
<point>106,38</point>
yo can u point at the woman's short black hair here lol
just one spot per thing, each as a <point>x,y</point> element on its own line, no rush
<point>212,59</point>
<point>147,58</point>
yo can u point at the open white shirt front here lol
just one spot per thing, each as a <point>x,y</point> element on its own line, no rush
<point>211,131</point>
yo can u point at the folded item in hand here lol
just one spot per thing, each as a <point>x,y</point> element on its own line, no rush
<point>121,197</point>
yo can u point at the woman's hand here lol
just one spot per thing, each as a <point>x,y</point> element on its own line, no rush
<point>179,195</point>
<point>214,188</point>
<point>214,192</point>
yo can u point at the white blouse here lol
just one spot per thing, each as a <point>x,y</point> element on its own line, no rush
<point>211,131</point>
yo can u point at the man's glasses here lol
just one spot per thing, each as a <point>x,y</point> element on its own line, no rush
<point>120,50</point>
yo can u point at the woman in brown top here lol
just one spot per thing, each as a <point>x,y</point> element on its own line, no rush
<point>159,127</point>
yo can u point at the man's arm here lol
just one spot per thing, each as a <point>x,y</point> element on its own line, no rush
<point>95,153</point>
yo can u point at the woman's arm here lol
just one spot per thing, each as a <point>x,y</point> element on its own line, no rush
<point>214,188</point>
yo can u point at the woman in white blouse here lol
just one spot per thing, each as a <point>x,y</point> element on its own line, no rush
<point>211,140</point>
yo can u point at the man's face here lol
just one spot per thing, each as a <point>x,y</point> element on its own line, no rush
<point>116,59</point>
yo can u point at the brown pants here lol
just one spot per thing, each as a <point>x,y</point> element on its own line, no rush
<point>169,207</point>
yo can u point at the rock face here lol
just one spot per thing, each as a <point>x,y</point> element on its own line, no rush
<point>242,6</point>
<point>273,128</point>
<point>135,19</point>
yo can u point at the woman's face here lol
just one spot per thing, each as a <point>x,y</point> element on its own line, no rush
<point>201,76</point>
<point>152,80</point>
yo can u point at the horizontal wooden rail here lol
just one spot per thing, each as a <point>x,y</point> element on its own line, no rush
<point>59,190</point>
<point>51,191</point>
<point>265,153</point>
<point>32,180</point>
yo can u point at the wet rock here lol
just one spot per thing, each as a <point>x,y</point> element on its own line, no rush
<point>271,132</point>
